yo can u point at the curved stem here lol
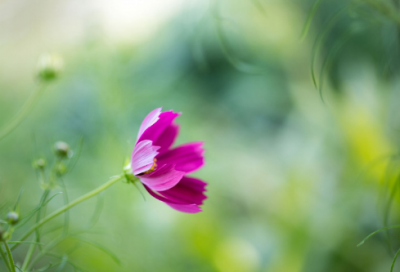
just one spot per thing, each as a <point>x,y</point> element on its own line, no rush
<point>33,246</point>
<point>69,206</point>
<point>375,232</point>
<point>13,124</point>
<point>4,257</point>
<point>394,260</point>
<point>10,258</point>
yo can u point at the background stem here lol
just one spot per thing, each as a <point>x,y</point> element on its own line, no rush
<point>69,206</point>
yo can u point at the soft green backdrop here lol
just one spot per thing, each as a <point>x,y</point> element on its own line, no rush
<point>295,182</point>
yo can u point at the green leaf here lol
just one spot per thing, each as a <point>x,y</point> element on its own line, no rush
<point>309,19</point>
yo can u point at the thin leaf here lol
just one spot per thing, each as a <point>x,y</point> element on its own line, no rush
<point>326,65</point>
<point>320,38</point>
<point>377,231</point>
<point>32,213</point>
<point>63,263</point>
<point>97,211</point>
<point>66,202</point>
<point>69,262</point>
<point>394,260</point>
<point>259,6</point>
<point>309,19</point>
<point>75,158</point>
<point>24,242</point>
<point>18,199</point>
<point>101,248</point>
<point>224,44</point>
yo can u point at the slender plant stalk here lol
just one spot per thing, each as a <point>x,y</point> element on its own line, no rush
<point>17,120</point>
<point>69,206</point>
<point>4,257</point>
<point>10,257</point>
<point>394,260</point>
<point>33,246</point>
<point>377,231</point>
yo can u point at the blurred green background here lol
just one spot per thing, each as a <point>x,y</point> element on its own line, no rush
<point>297,176</point>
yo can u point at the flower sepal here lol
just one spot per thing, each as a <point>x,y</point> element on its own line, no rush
<point>129,176</point>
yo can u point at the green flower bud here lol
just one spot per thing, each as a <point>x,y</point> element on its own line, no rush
<point>12,218</point>
<point>61,169</point>
<point>49,67</point>
<point>4,236</point>
<point>39,164</point>
<point>62,150</point>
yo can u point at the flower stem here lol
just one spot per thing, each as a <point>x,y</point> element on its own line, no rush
<point>4,257</point>
<point>22,113</point>
<point>69,206</point>
<point>10,258</point>
<point>32,247</point>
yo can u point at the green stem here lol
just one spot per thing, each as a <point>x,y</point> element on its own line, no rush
<point>33,246</point>
<point>394,260</point>
<point>22,113</point>
<point>375,232</point>
<point>4,257</point>
<point>28,257</point>
<point>69,206</point>
<point>10,258</point>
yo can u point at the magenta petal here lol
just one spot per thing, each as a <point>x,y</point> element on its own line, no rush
<point>187,158</point>
<point>167,138</point>
<point>188,190</point>
<point>154,132</point>
<point>150,120</point>
<point>163,178</point>
<point>191,208</point>
<point>182,207</point>
<point>143,157</point>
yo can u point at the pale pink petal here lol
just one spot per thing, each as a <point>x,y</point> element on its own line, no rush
<point>163,178</point>
<point>150,119</point>
<point>143,157</point>
<point>190,208</point>
<point>155,131</point>
<point>187,158</point>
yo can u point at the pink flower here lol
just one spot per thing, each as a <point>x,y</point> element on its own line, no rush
<point>163,170</point>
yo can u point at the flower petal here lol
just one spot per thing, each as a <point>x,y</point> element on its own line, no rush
<point>167,138</point>
<point>188,190</point>
<point>191,208</point>
<point>150,119</point>
<point>187,208</point>
<point>143,156</point>
<point>163,178</point>
<point>187,158</point>
<point>155,131</point>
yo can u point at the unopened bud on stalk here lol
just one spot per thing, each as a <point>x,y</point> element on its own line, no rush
<point>12,218</point>
<point>4,235</point>
<point>62,150</point>
<point>39,164</point>
<point>49,67</point>
<point>61,169</point>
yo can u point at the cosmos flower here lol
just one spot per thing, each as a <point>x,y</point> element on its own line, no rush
<point>162,169</point>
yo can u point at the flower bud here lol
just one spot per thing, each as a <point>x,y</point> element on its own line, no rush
<point>12,218</point>
<point>49,67</point>
<point>39,164</point>
<point>61,169</point>
<point>62,150</point>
